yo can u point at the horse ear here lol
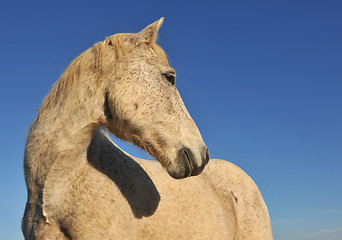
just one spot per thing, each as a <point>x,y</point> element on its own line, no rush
<point>149,34</point>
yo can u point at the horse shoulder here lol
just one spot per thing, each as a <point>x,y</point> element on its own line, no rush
<point>231,183</point>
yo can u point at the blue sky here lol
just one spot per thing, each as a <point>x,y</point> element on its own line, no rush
<point>262,80</point>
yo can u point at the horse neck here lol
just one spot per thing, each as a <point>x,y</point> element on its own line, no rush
<point>61,134</point>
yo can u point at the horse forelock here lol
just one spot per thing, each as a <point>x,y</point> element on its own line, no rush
<point>160,53</point>
<point>118,40</point>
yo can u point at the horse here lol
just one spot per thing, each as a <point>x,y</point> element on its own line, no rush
<point>81,185</point>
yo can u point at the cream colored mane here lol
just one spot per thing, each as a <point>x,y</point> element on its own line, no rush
<point>70,76</point>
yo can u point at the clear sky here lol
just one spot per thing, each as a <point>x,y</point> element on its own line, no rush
<point>262,80</point>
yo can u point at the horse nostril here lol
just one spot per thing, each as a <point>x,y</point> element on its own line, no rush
<point>207,156</point>
<point>187,156</point>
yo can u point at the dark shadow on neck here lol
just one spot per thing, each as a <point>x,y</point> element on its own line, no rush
<point>132,180</point>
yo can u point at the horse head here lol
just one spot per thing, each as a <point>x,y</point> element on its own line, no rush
<point>143,106</point>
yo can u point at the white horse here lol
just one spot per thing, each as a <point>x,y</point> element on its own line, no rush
<point>82,186</point>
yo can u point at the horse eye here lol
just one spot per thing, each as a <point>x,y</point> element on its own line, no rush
<point>170,77</point>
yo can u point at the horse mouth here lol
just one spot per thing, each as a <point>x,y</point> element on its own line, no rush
<point>186,163</point>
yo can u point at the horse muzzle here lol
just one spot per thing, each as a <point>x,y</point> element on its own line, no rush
<point>188,163</point>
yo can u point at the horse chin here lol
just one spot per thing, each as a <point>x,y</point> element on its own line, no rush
<point>187,164</point>
<point>179,173</point>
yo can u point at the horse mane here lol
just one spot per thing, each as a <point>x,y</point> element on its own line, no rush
<point>70,76</point>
